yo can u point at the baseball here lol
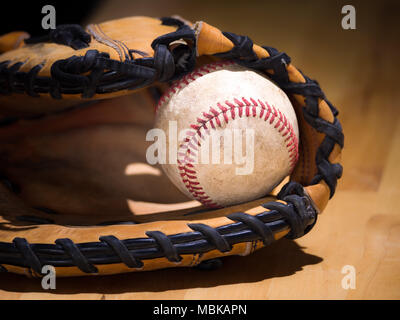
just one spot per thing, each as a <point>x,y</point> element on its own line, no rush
<point>231,134</point>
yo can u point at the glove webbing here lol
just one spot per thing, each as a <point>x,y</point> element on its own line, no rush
<point>105,74</point>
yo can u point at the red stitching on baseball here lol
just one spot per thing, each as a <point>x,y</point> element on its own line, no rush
<point>191,77</point>
<point>189,176</point>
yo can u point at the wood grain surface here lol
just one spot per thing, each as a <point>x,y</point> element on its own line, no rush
<point>358,70</point>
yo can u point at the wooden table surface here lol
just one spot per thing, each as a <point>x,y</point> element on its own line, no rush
<point>357,70</point>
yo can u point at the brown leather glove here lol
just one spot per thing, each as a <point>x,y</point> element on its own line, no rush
<point>76,190</point>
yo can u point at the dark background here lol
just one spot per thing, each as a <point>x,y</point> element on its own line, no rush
<point>27,15</point>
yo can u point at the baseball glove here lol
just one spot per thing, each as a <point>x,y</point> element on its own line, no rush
<point>76,191</point>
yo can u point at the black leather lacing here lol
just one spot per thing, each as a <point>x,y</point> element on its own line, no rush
<point>256,225</point>
<point>212,235</point>
<point>27,254</point>
<point>95,72</point>
<point>165,244</point>
<point>132,252</point>
<point>76,255</point>
<point>298,215</point>
<point>120,248</point>
<point>72,35</point>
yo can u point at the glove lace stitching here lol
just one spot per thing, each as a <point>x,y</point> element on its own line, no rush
<point>298,214</point>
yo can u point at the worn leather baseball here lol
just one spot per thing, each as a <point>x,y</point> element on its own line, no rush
<point>258,142</point>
